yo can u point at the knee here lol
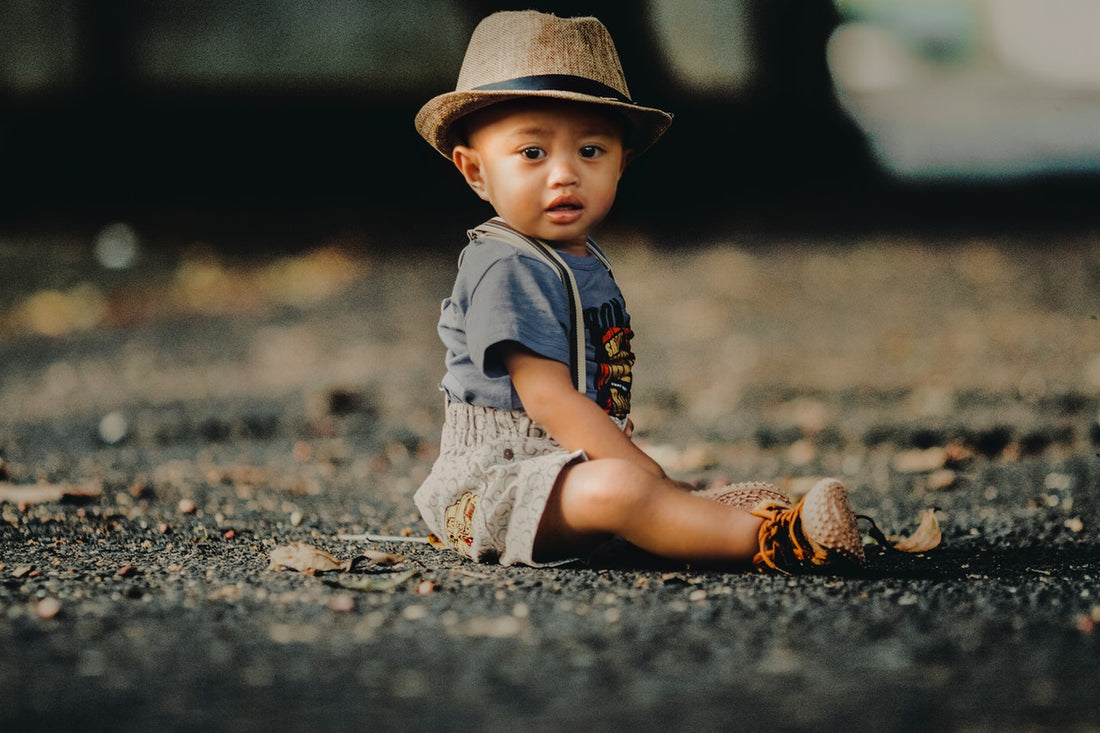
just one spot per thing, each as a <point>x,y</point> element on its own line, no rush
<point>609,487</point>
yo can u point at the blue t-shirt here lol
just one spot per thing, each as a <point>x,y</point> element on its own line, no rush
<point>504,294</point>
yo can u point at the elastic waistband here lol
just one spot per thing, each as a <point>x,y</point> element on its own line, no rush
<point>471,425</point>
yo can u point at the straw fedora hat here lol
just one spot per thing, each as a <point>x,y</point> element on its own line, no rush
<point>525,53</point>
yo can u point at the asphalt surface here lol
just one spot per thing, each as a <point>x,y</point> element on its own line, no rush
<point>166,425</point>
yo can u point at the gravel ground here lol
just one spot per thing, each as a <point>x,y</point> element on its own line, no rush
<point>166,425</point>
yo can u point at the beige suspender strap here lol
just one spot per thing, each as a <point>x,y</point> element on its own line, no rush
<point>496,228</point>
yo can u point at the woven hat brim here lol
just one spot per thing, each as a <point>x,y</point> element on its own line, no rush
<point>436,120</point>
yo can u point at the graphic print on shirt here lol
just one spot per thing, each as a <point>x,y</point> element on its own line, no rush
<point>610,332</point>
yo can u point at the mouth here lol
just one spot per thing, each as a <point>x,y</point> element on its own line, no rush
<point>565,204</point>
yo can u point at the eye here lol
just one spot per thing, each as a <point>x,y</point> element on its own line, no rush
<point>590,151</point>
<point>533,153</point>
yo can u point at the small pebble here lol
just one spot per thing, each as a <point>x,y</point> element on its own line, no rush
<point>302,451</point>
<point>47,608</point>
<point>187,506</point>
<point>113,428</point>
<point>342,603</point>
<point>414,613</point>
<point>116,246</point>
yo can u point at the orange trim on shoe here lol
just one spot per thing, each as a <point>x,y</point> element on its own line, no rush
<point>787,545</point>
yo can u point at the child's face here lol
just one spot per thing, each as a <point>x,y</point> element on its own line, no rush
<point>550,169</point>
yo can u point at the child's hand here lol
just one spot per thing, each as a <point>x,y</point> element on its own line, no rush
<point>628,429</point>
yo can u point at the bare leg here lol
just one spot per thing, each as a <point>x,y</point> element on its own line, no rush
<point>596,498</point>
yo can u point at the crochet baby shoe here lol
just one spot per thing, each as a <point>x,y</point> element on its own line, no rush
<point>745,496</point>
<point>819,530</point>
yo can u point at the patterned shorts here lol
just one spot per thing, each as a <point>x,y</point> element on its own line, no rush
<point>488,489</point>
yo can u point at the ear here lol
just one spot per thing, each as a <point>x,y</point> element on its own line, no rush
<point>627,154</point>
<point>468,163</point>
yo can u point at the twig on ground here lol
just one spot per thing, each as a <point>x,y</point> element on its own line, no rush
<point>368,537</point>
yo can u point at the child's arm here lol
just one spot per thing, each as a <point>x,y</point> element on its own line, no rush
<point>545,387</point>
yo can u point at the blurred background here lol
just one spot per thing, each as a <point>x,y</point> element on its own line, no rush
<point>277,113</point>
<point>867,213</point>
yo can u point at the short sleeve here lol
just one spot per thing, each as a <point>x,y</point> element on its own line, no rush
<point>517,299</point>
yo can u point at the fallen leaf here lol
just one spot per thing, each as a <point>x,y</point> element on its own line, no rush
<point>370,583</point>
<point>368,537</point>
<point>306,559</point>
<point>926,537</point>
<point>382,559</point>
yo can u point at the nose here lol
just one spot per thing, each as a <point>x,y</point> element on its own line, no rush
<point>563,171</point>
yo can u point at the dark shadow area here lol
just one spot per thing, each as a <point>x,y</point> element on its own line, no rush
<point>961,560</point>
<point>270,164</point>
<point>953,562</point>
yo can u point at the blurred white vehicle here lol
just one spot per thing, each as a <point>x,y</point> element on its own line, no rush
<point>980,89</point>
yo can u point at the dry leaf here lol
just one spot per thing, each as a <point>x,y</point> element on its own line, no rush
<point>368,537</point>
<point>370,583</point>
<point>306,559</point>
<point>377,557</point>
<point>926,537</point>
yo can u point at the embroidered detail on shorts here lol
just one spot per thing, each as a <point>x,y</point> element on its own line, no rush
<point>459,522</point>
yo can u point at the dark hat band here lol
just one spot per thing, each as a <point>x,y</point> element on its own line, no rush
<point>556,83</point>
